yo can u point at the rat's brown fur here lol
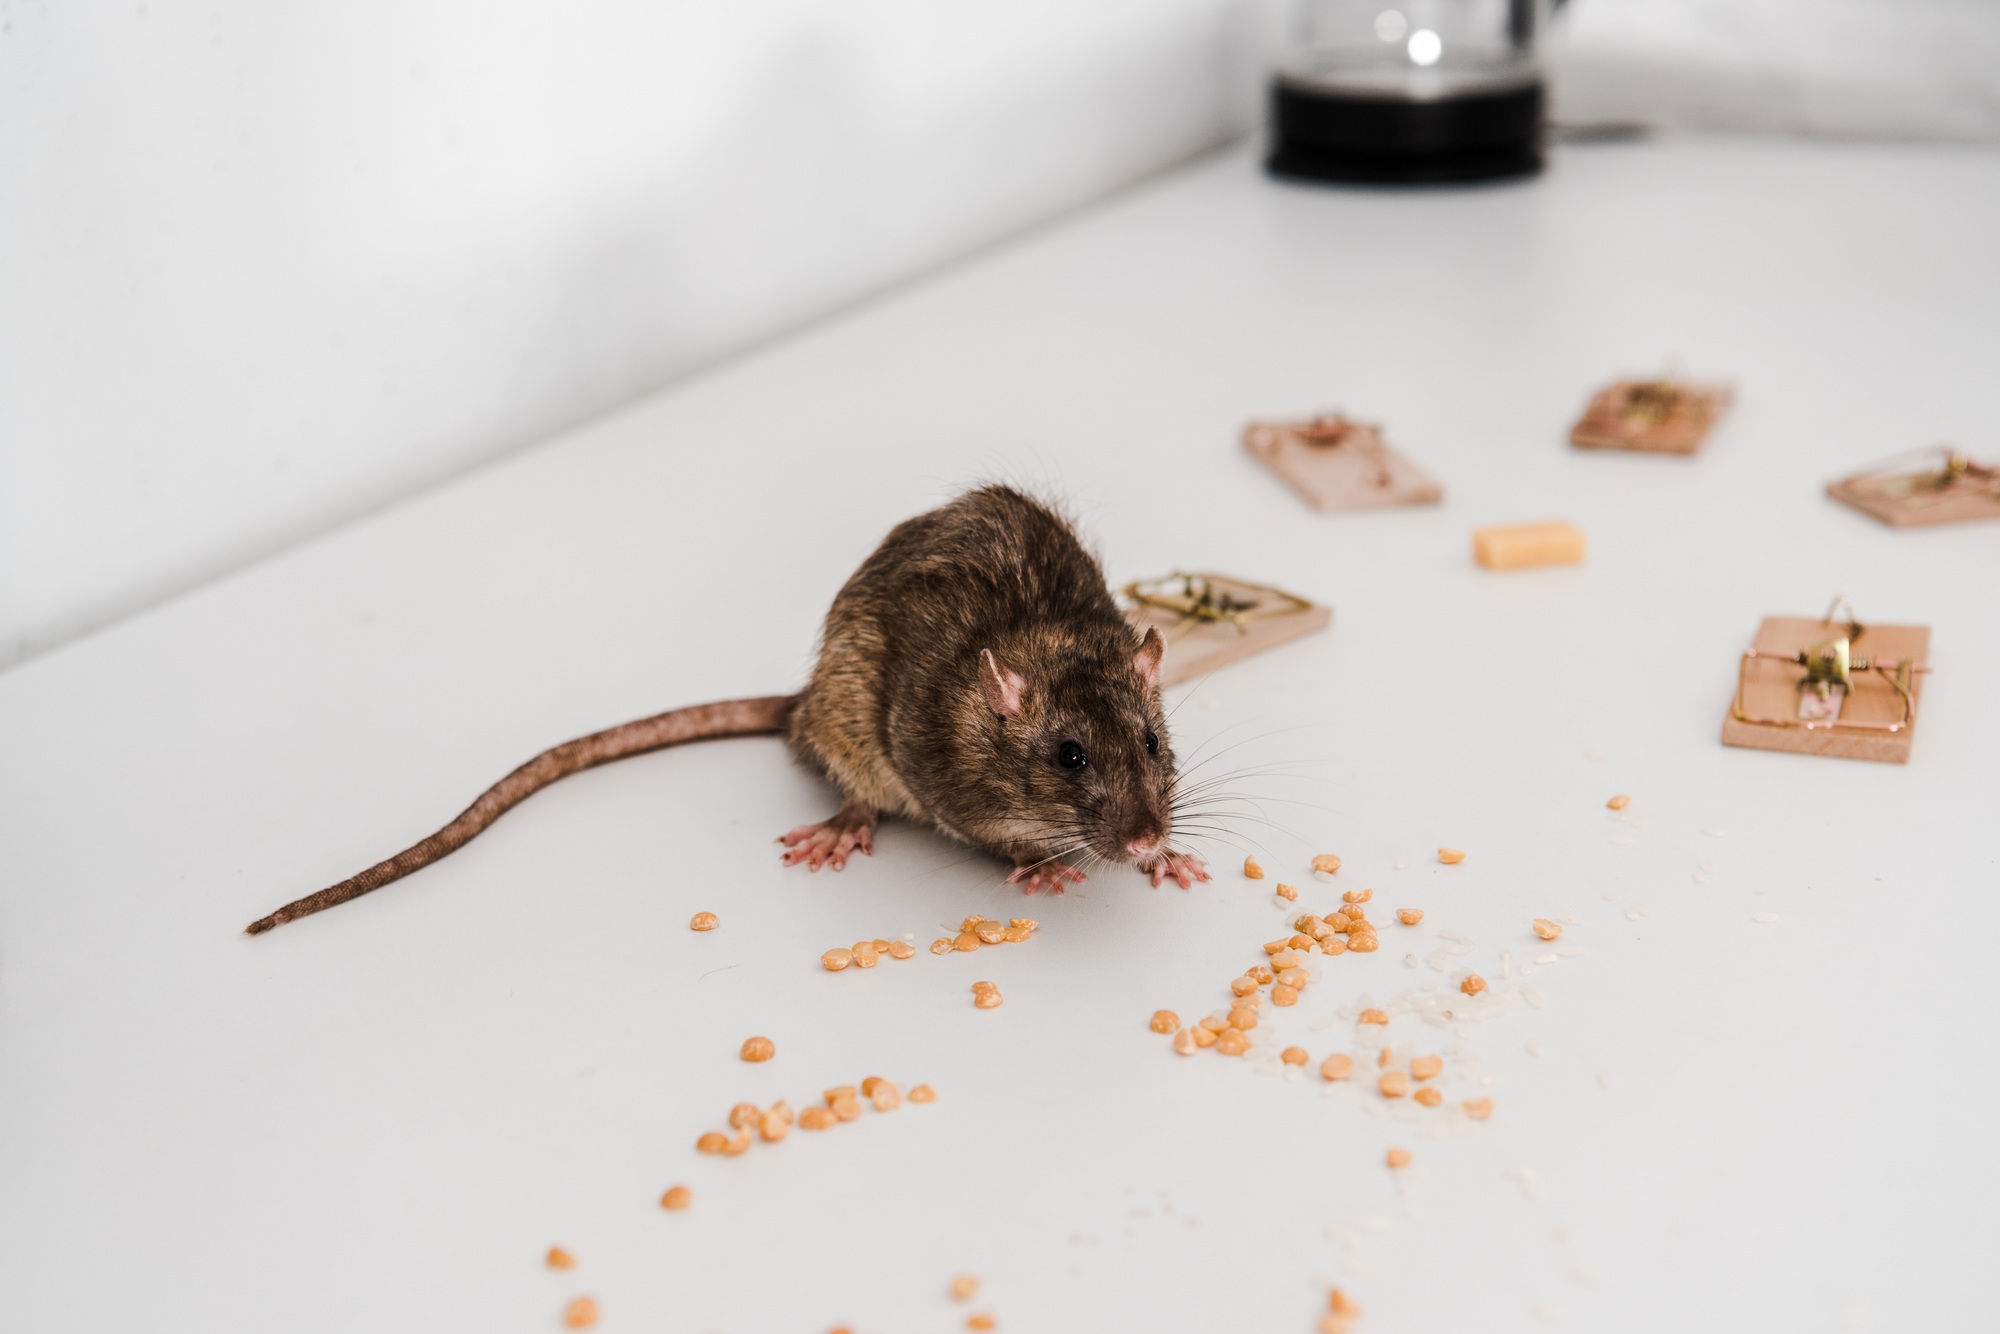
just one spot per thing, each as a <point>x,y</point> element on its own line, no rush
<point>988,606</point>
<point>894,715</point>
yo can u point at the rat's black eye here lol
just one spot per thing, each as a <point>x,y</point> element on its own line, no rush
<point>1071,756</point>
<point>1152,743</point>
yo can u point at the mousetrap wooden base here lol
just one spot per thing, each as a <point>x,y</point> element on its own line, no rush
<point>1211,620</point>
<point>1651,416</point>
<point>1939,485</point>
<point>1820,687</point>
<point>1338,464</point>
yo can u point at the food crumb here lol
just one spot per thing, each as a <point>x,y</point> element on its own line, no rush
<point>1164,1021</point>
<point>1251,870</point>
<point>963,1286</point>
<point>677,1197</point>
<point>980,1321</point>
<point>1341,1313</point>
<point>1427,1067</point>
<point>1398,1158</point>
<point>1450,856</point>
<point>835,960</point>
<point>580,1314</point>
<point>1337,1066</point>
<point>1546,929</point>
<point>1393,1083</point>
<point>1428,1096</point>
<point>1478,1108</point>
<point>1357,896</point>
<point>923,1093</point>
<point>1372,1017</point>
<point>940,946</point>
<point>713,1142</point>
<point>1619,802</point>
<point>1326,863</point>
<point>704,921</point>
<point>560,1258</point>
<point>1473,984</point>
<point>985,995</point>
<point>1293,1056</point>
<point>901,949</point>
<point>1184,1042</point>
<point>820,1118</point>
<point>1287,892</point>
<point>758,1049</point>
<point>1409,916</point>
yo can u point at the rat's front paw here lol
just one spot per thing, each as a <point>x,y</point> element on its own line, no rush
<point>1184,867</point>
<point>1052,876</point>
<point>829,842</point>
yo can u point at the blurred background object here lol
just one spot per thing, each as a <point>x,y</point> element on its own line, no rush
<point>1408,90</point>
<point>265,266</point>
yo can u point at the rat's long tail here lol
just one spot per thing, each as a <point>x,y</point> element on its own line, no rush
<point>735,717</point>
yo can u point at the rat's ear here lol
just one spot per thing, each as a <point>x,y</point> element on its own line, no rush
<point>1003,689</point>
<point>1147,660</point>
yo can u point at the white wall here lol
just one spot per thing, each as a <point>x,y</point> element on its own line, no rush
<point>1903,69</point>
<point>265,264</point>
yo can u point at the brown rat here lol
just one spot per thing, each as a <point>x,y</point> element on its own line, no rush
<point>974,674</point>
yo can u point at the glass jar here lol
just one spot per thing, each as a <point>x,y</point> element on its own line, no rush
<point>1409,90</point>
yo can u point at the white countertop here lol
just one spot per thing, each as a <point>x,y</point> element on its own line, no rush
<point>380,1117</point>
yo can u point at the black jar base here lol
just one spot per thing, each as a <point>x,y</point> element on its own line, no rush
<point>1324,136</point>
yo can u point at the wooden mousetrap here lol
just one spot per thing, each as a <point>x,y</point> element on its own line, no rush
<point>1664,416</point>
<point>1340,464</point>
<point>1830,687</point>
<point>1927,486</point>
<point>1212,620</point>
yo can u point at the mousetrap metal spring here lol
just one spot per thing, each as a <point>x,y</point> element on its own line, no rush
<point>1924,477</point>
<point>1830,673</point>
<point>1203,599</point>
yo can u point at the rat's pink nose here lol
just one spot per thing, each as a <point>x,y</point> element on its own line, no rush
<point>1144,847</point>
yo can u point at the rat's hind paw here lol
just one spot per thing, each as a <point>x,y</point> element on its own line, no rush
<point>1184,867</point>
<point>1052,876</point>
<point>829,842</point>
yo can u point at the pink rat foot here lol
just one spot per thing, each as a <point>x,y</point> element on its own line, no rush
<point>1182,867</point>
<point>829,842</point>
<point>1052,876</point>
